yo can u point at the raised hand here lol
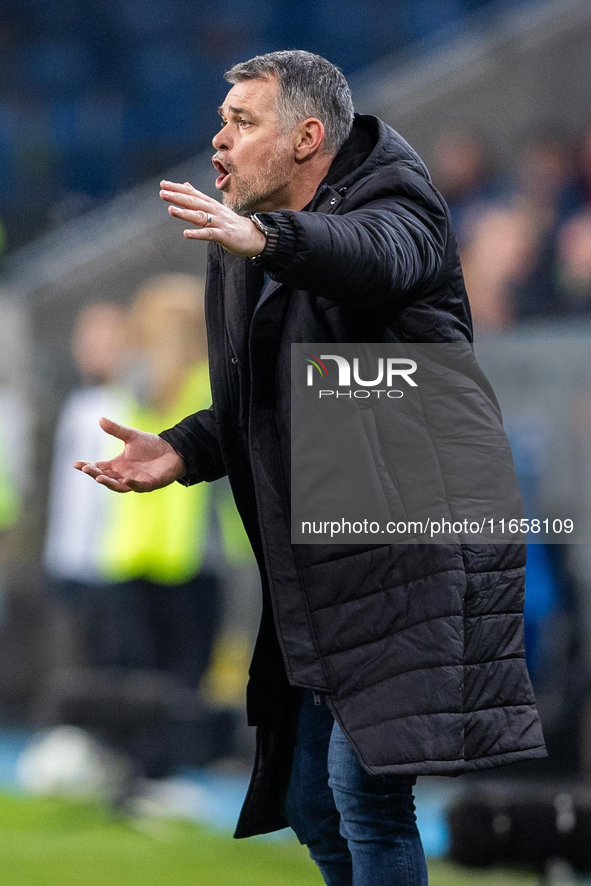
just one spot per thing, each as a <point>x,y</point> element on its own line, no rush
<point>212,220</point>
<point>147,462</point>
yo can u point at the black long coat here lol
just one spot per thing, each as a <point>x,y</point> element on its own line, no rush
<point>419,649</point>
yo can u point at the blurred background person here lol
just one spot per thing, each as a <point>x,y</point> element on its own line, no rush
<point>547,191</point>
<point>583,164</point>
<point>573,265</point>
<point>497,256</point>
<point>465,173</point>
<point>76,517</point>
<point>545,177</point>
<point>77,590</point>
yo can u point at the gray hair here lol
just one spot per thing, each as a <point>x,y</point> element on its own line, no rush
<point>309,86</point>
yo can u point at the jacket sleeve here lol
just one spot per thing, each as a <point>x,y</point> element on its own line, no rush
<point>196,440</point>
<point>394,244</point>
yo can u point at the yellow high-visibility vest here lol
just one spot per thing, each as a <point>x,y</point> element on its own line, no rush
<point>162,536</point>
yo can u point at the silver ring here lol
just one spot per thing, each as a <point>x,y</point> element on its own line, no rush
<point>208,222</point>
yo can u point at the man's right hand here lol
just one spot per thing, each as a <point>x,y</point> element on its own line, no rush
<point>147,462</point>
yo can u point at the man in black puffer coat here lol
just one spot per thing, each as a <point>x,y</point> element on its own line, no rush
<point>391,661</point>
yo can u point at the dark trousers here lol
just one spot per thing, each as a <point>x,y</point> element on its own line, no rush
<point>138,624</point>
<point>140,627</point>
<point>360,829</point>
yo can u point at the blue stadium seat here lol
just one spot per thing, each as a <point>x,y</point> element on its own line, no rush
<point>56,68</point>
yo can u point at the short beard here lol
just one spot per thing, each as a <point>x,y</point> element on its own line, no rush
<point>252,195</point>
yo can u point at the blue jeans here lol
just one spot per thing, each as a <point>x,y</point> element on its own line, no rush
<point>360,829</point>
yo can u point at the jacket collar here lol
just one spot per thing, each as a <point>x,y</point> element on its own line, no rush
<point>372,145</point>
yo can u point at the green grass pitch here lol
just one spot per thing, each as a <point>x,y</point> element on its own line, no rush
<point>47,842</point>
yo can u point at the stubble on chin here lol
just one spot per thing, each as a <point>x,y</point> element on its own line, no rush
<point>252,195</point>
<point>237,202</point>
<point>247,198</point>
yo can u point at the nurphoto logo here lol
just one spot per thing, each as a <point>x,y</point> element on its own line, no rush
<point>388,370</point>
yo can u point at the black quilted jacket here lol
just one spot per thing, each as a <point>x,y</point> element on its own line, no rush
<point>419,649</point>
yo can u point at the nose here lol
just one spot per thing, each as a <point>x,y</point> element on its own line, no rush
<point>221,140</point>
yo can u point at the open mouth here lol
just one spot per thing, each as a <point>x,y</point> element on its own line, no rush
<point>224,173</point>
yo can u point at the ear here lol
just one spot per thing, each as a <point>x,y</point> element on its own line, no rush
<point>309,138</point>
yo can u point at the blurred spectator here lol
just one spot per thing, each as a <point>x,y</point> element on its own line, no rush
<point>546,179</point>
<point>573,265</point>
<point>464,173</point>
<point>546,188</point>
<point>584,165</point>
<point>78,511</point>
<point>527,257</point>
<point>497,257</point>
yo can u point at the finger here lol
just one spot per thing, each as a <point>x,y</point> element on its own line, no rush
<point>193,200</point>
<point>179,190</point>
<point>184,188</point>
<point>112,475</point>
<point>114,485</point>
<point>120,431</point>
<point>135,485</point>
<point>95,472</point>
<point>197,218</point>
<point>92,470</point>
<point>111,479</point>
<point>105,466</point>
<point>184,196</point>
<point>201,233</point>
<point>183,199</point>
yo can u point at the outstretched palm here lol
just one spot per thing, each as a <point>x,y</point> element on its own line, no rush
<point>147,462</point>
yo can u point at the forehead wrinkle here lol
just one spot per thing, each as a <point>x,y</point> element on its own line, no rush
<point>264,99</point>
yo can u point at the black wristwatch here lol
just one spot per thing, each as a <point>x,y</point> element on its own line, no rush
<point>266,226</point>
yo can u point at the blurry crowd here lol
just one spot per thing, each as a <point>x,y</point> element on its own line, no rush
<point>524,235</point>
<point>152,600</point>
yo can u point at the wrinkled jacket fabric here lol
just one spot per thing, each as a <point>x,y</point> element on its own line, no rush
<point>418,649</point>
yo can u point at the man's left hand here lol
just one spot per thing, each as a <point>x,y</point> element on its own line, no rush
<point>234,232</point>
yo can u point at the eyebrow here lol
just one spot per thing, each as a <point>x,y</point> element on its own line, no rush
<point>233,110</point>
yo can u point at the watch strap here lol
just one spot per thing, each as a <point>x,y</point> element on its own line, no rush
<point>266,226</point>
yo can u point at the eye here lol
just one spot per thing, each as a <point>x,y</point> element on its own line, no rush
<point>244,123</point>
